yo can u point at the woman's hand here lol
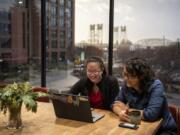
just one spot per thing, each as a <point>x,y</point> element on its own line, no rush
<point>123,115</point>
<point>121,110</point>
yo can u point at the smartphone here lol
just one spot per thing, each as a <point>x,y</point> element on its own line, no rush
<point>128,125</point>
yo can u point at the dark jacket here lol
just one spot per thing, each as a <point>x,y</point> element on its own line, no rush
<point>153,103</point>
<point>108,86</point>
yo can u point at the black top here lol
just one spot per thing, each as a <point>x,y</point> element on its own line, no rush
<point>108,86</point>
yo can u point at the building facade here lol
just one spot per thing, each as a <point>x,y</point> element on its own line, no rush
<point>20,31</point>
<point>60,30</point>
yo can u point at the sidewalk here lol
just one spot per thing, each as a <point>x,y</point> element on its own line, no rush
<point>173,98</point>
<point>64,83</point>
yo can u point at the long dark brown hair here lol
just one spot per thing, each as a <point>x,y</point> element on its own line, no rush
<point>140,68</point>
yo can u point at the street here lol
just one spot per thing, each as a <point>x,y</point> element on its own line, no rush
<point>63,80</point>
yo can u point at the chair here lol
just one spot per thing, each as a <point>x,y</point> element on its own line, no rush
<point>175,111</point>
<point>178,121</point>
<point>44,90</point>
<point>2,84</point>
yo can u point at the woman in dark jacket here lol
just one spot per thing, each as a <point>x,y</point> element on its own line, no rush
<point>98,86</point>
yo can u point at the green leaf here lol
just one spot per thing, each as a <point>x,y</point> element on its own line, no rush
<point>17,93</point>
<point>30,103</point>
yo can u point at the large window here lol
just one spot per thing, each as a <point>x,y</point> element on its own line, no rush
<point>78,30</point>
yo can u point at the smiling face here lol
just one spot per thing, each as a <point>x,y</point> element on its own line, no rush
<point>94,72</point>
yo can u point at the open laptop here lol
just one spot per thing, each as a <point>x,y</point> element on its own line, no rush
<point>73,107</point>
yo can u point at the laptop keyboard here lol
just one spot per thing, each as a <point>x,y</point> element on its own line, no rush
<point>96,116</point>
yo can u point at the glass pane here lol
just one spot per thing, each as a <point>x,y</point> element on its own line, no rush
<point>149,29</point>
<point>20,41</point>
<point>92,23</point>
<point>89,41</point>
<point>61,40</point>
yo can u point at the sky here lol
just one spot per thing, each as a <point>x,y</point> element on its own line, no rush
<point>143,18</point>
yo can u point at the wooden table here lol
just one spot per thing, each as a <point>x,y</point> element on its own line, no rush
<point>44,122</point>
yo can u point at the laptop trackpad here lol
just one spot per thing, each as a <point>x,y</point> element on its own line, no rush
<point>97,116</point>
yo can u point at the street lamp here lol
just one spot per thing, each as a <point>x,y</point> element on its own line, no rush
<point>20,3</point>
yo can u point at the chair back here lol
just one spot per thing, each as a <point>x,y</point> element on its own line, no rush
<point>175,111</point>
<point>178,121</point>
<point>2,84</point>
<point>44,90</point>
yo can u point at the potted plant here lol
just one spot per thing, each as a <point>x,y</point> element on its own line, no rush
<point>11,99</point>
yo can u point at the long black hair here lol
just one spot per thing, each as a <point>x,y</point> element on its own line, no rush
<point>140,68</point>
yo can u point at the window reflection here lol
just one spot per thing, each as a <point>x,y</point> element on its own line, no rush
<point>20,39</point>
<point>138,31</point>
